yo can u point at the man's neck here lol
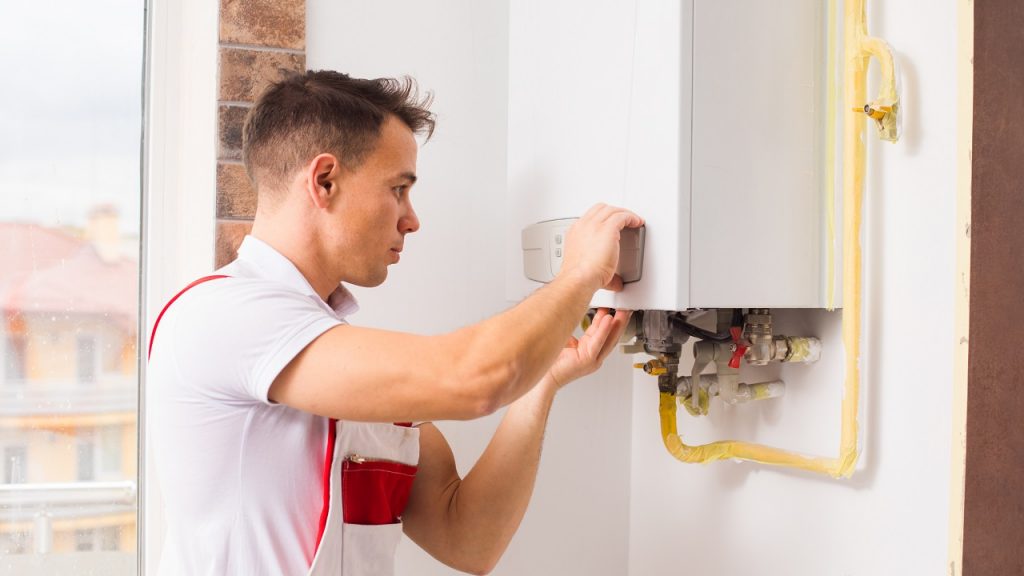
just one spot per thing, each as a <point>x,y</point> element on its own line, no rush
<point>301,249</point>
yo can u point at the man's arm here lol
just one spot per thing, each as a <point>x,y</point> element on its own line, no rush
<point>468,523</point>
<point>362,374</point>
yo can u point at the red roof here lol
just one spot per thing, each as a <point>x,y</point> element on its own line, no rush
<point>25,248</point>
<point>45,270</point>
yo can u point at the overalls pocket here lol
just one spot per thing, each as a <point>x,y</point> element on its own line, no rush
<point>369,549</point>
<point>374,491</point>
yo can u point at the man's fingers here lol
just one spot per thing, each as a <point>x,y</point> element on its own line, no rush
<point>607,337</point>
<point>601,313</point>
<point>600,336</point>
<point>626,219</point>
<point>593,332</point>
<point>594,210</point>
<point>619,323</point>
<point>621,217</point>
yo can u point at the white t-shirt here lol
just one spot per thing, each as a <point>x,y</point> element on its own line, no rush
<point>242,478</point>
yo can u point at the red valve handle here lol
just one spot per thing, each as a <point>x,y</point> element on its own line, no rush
<point>741,349</point>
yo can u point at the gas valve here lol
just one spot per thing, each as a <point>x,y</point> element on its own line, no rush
<point>736,337</point>
<point>764,347</point>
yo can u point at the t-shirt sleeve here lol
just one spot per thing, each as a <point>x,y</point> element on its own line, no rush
<point>232,337</point>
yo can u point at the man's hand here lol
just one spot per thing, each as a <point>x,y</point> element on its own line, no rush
<point>585,355</point>
<point>592,244</point>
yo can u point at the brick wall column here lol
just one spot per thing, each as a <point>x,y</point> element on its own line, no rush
<point>260,42</point>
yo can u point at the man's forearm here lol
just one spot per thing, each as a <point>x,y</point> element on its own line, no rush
<point>490,502</point>
<point>513,350</point>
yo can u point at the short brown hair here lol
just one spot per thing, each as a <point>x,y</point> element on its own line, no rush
<point>325,111</point>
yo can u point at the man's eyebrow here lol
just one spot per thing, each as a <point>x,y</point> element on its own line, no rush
<point>408,176</point>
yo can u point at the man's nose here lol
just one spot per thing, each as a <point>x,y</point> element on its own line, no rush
<point>410,222</point>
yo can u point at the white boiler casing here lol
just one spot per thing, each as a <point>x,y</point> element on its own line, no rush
<point>706,117</point>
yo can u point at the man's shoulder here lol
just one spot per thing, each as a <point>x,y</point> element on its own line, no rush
<point>224,282</point>
<point>245,314</point>
<point>238,296</point>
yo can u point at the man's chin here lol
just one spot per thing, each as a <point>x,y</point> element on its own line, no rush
<point>370,281</point>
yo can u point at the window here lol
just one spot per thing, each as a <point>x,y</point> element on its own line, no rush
<point>70,159</point>
<point>111,438</point>
<point>86,359</point>
<point>85,540</point>
<point>16,542</point>
<point>109,538</point>
<point>14,358</point>
<point>15,461</point>
<point>86,459</point>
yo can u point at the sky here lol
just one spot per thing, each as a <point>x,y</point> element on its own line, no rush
<point>70,110</point>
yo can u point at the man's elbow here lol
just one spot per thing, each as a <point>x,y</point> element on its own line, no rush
<point>485,389</point>
<point>482,569</point>
<point>478,564</point>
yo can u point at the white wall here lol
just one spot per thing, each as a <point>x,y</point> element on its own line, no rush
<point>452,271</point>
<point>892,516</point>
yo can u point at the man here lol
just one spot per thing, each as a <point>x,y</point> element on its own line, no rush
<point>274,420</point>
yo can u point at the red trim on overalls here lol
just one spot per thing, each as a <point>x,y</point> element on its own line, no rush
<point>152,335</point>
<point>332,434</point>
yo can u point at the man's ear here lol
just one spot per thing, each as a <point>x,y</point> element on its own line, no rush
<point>322,175</point>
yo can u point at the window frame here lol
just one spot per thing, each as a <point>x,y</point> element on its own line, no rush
<point>178,206</point>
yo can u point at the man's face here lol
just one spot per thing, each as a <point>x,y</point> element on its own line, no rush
<point>373,211</point>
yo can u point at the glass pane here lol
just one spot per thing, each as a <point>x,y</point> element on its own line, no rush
<point>70,146</point>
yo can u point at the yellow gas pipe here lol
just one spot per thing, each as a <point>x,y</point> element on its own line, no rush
<point>859,49</point>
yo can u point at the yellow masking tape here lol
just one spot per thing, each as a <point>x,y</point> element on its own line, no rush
<point>729,449</point>
<point>830,161</point>
<point>799,349</point>
<point>760,391</point>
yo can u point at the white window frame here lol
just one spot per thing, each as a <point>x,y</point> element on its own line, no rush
<point>179,197</point>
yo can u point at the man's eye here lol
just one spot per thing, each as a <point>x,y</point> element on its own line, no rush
<point>399,190</point>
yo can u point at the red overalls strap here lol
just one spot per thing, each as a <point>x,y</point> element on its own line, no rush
<point>171,301</point>
<point>332,435</point>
